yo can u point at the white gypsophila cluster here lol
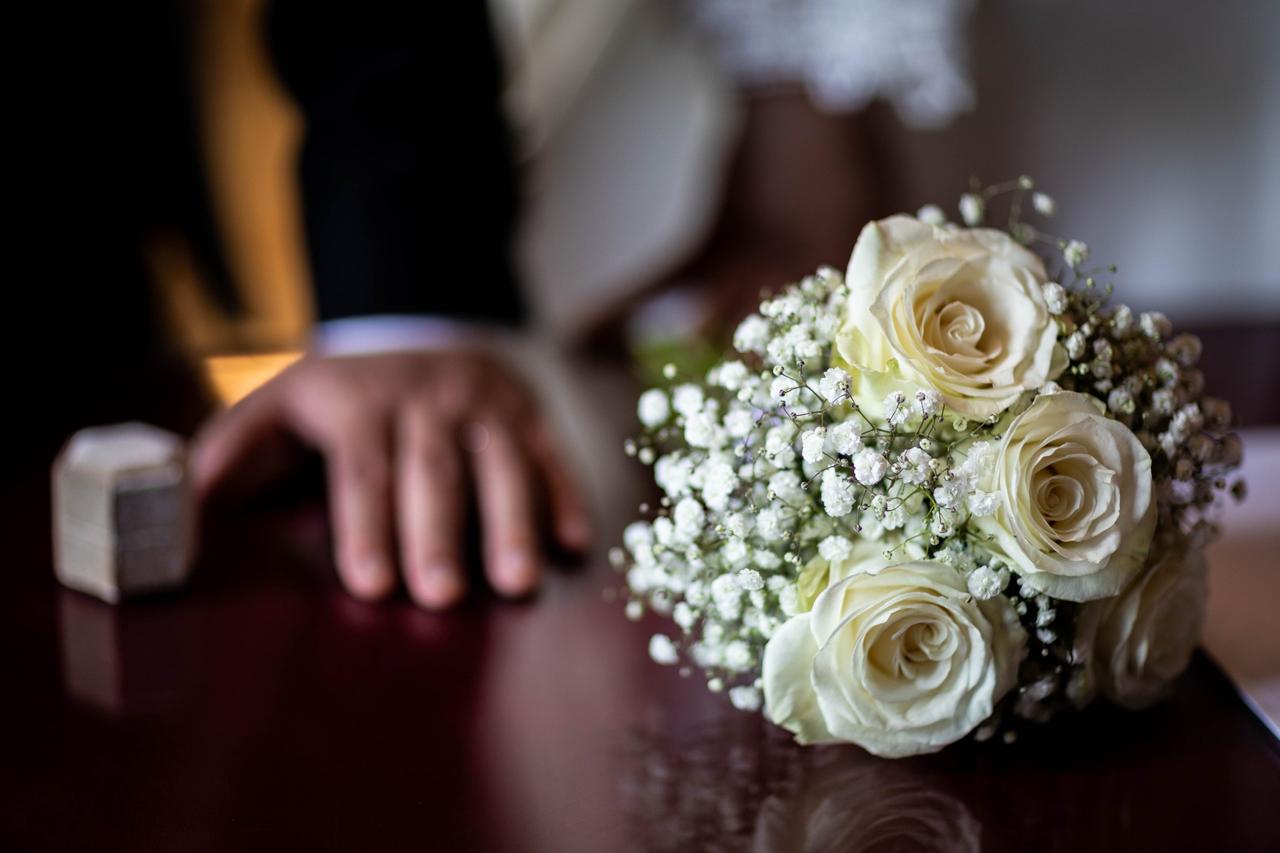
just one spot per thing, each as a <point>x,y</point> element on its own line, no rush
<point>765,468</point>
<point>770,470</point>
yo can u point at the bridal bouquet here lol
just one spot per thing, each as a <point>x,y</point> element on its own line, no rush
<point>952,487</point>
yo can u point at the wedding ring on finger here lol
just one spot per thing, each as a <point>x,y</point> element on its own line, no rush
<point>475,437</point>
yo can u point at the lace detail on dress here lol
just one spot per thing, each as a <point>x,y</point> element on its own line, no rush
<point>849,52</point>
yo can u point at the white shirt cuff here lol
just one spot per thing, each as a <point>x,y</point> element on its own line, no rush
<point>383,333</point>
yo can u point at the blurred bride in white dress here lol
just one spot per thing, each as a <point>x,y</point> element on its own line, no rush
<point>1155,126</point>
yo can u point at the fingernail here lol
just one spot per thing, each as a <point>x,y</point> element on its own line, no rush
<point>370,578</point>
<point>371,569</point>
<point>516,573</point>
<point>440,585</point>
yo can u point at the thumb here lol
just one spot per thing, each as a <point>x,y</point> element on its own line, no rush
<point>233,437</point>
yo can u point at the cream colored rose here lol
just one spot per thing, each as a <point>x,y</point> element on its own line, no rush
<point>899,659</point>
<point>953,309</point>
<point>1137,643</point>
<point>1077,509</point>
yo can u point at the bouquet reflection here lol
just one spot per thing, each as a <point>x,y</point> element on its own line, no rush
<point>777,798</point>
<point>846,801</point>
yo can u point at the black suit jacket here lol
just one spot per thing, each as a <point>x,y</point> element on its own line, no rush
<point>407,179</point>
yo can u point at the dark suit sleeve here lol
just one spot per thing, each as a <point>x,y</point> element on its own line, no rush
<point>406,174</point>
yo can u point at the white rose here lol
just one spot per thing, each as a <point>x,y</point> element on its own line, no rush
<point>958,310</point>
<point>1076,510</point>
<point>900,660</point>
<point>1136,644</point>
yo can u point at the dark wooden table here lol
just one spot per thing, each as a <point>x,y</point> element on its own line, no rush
<point>262,708</point>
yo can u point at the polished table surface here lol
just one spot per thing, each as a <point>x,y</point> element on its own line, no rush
<point>261,708</point>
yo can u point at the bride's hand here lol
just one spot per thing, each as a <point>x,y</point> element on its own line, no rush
<point>404,436</point>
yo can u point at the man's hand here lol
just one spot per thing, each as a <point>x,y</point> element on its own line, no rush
<point>402,434</point>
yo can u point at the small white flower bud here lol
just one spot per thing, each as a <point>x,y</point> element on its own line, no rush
<point>833,549</point>
<point>662,650</point>
<point>971,209</point>
<point>1076,345</point>
<point>869,467</point>
<point>1075,253</point>
<point>837,493</point>
<point>745,697</point>
<point>752,335</point>
<point>844,438</point>
<point>1055,297</point>
<point>812,444</point>
<point>653,408</point>
<point>834,384</point>
<point>928,402</point>
<point>1154,325</point>
<point>931,214</point>
<point>687,399</point>
<point>986,583</point>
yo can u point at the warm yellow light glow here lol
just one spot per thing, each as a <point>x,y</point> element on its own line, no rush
<point>232,377</point>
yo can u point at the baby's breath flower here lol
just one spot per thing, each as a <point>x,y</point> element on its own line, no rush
<point>1043,204</point>
<point>915,466</point>
<point>785,485</point>
<point>1076,345</point>
<point>653,408</point>
<point>833,549</point>
<point>1075,253</point>
<point>837,493</point>
<point>812,444</point>
<point>869,467</point>
<point>732,375</point>
<point>931,214</point>
<point>971,209</point>
<point>672,473</point>
<point>1120,401</point>
<point>1055,297</point>
<point>770,524</point>
<point>844,438</point>
<point>735,552</point>
<point>662,650</point>
<point>834,384</point>
<point>752,335</point>
<point>983,504</point>
<point>1154,325</point>
<point>737,656</point>
<point>895,405</point>
<point>928,402</point>
<point>986,582</point>
<point>701,430</point>
<point>784,390</point>
<point>738,423</point>
<point>718,485</point>
<point>1121,320</point>
<point>745,697</point>
<point>687,399</point>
